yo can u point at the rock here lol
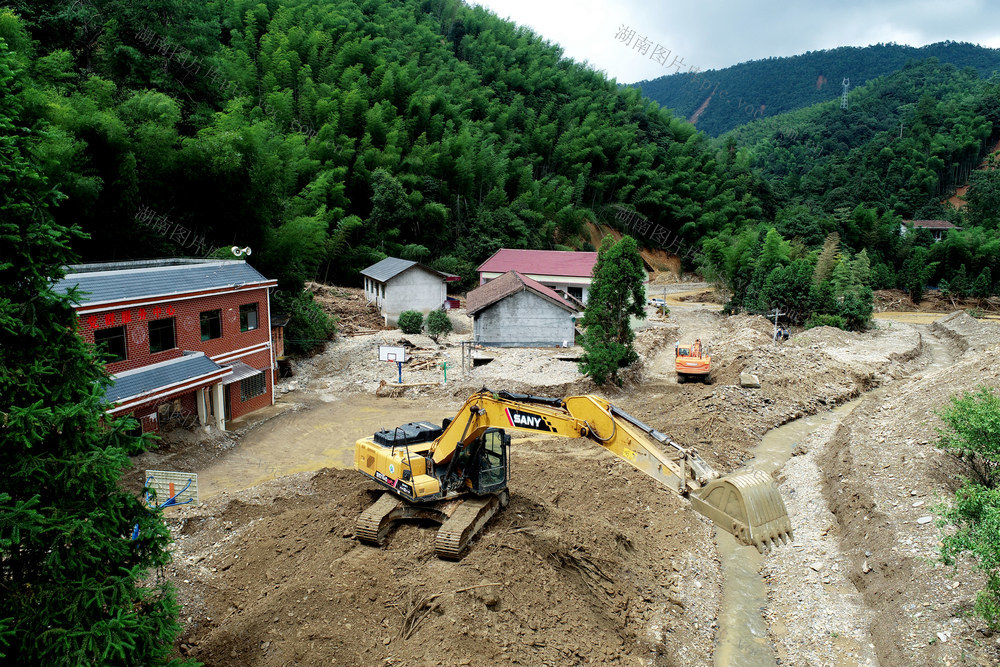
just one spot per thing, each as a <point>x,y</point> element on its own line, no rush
<point>865,569</point>
<point>817,566</point>
<point>749,380</point>
<point>925,519</point>
<point>942,636</point>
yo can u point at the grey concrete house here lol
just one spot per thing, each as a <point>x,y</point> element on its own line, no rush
<point>566,272</point>
<point>395,285</point>
<point>516,311</point>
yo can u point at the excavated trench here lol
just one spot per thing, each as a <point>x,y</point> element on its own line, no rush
<point>743,634</point>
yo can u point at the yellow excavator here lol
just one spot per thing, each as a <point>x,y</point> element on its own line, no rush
<point>456,474</point>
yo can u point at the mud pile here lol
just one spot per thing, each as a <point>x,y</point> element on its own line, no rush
<point>589,563</point>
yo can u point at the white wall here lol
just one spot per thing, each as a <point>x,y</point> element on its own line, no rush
<point>413,289</point>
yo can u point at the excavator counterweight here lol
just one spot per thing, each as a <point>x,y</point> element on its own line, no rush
<point>457,474</point>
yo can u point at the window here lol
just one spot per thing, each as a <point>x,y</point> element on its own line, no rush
<point>111,341</point>
<point>211,324</point>
<point>161,335</point>
<point>252,386</point>
<point>248,317</point>
<point>576,293</point>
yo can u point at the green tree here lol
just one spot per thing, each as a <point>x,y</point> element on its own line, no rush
<point>916,271</point>
<point>309,326</point>
<point>975,515</point>
<point>972,432</point>
<point>411,321</point>
<point>828,258</point>
<point>616,295</point>
<point>438,323</point>
<point>983,286</point>
<point>77,588</point>
<point>960,283</point>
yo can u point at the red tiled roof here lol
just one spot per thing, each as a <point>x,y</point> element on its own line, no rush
<point>931,224</point>
<point>509,283</point>
<point>546,262</point>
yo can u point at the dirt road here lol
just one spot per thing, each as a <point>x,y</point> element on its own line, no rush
<point>592,562</point>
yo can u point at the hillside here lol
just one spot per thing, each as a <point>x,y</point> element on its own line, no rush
<point>772,86</point>
<point>333,134</point>
<point>905,144</point>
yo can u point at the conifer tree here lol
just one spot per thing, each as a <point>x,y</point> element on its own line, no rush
<point>983,286</point>
<point>960,283</point>
<point>828,258</point>
<point>616,294</point>
<point>76,588</point>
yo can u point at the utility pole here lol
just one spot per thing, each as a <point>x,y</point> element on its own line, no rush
<point>775,314</point>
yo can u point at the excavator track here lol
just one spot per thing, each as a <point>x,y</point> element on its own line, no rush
<point>374,524</point>
<point>465,523</point>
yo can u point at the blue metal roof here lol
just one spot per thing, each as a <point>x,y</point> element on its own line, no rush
<point>149,379</point>
<point>124,281</point>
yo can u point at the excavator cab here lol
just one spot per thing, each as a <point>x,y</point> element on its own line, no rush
<point>493,461</point>
<point>481,465</point>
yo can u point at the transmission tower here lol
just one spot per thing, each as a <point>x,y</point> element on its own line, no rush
<point>843,97</point>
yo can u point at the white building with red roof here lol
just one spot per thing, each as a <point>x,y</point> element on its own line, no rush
<point>567,272</point>
<point>937,228</point>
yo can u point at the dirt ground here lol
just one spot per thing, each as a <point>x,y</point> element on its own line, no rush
<point>592,562</point>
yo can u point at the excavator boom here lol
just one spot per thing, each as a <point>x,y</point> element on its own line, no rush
<point>429,470</point>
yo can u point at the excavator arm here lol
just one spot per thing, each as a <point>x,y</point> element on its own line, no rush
<point>746,504</point>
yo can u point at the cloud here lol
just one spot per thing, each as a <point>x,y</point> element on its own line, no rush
<point>718,33</point>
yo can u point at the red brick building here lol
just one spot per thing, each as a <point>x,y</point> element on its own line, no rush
<point>187,337</point>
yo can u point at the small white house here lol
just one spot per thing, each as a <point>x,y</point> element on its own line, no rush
<point>396,285</point>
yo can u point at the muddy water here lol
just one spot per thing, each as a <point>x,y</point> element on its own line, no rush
<point>742,636</point>
<point>321,436</point>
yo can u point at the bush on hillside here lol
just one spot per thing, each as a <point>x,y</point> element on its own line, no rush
<point>973,433</point>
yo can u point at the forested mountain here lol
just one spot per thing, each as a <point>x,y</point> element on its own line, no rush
<point>326,135</point>
<point>900,149</point>
<point>905,142</point>
<point>772,86</point>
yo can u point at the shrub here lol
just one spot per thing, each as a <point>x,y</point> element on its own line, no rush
<point>309,326</point>
<point>438,323</point>
<point>411,321</point>
<point>824,320</point>
<point>972,432</point>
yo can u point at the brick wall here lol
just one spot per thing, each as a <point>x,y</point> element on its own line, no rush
<point>187,336</point>
<point>187,327</point>
<point>258,360</point>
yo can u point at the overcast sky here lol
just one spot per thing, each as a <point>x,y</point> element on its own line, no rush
<point>712,34</point>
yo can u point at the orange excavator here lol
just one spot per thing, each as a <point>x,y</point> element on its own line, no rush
<point>456,474</point>
<point>692,362</point>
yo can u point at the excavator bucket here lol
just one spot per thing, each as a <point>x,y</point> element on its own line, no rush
<point>748,505</point>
